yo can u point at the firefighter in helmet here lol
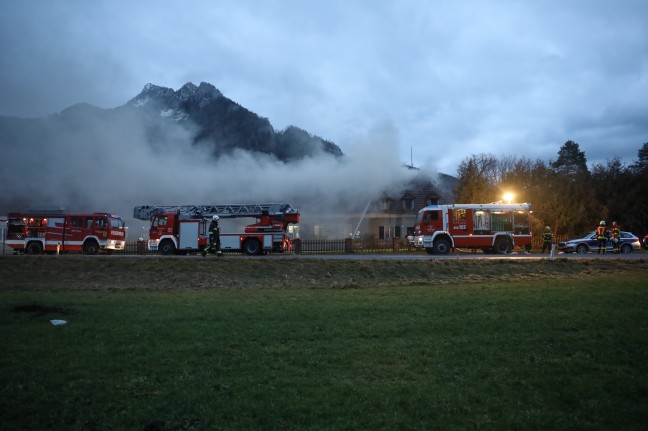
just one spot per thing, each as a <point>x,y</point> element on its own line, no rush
<point>547,239</point>
<point>214,245</point>
<point>601,235</point>
<point>616,237</point>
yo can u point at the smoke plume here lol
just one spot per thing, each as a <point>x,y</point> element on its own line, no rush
<point>85,162</point>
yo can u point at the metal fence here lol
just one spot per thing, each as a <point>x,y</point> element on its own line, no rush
<point>310,246</point>
<point>337,246</point>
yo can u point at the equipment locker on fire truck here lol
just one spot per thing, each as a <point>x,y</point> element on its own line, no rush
<point>493,228</point>
<point>183,228</point>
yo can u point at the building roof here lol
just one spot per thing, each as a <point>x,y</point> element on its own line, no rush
<point>419,192</point>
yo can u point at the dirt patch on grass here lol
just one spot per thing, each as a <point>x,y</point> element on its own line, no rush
<point>40,310</point>
<point>159,273</point>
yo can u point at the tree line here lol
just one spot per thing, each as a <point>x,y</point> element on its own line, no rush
<point>563,193</point>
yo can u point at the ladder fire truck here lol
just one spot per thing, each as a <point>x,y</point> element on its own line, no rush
<point>493,228</point>
<point>182,229</point>
<point>38,231</point>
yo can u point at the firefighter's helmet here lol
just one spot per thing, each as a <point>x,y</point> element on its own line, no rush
<point>547,228</point>
<point>614,223</point>
<point>215,218</point>
<point>602,223</point>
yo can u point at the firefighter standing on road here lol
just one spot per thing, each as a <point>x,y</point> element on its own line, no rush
<point>601,236</point>
<point>616,238</point>
<point>213,246</point>
<point>547,239</point>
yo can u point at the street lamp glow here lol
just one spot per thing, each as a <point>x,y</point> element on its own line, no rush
<point>508,197</point>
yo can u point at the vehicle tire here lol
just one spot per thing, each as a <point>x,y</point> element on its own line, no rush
<point>90,247</point>
<point>502,246</point>
<point>626,248</point>
<point>34,247</point>
<point>582,249</point>
<point>252,247</point>
<point>441,246</point>
<point>166,247</point>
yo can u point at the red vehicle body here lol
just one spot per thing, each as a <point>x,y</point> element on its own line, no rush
<point>493,228</point>
<point>35,232</point>
<point>182,229</point>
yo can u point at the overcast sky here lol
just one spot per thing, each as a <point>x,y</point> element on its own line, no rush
<point>447,78</point>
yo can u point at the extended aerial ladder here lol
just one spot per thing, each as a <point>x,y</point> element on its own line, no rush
<point>183,227</point>
<point>145,212</point>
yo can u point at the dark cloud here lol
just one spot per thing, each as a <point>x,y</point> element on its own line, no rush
<point>453,78</point>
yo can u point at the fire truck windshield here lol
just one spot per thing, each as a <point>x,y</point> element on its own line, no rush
<point>116,223</point>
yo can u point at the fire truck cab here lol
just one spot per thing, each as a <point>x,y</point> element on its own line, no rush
<point>35,232</point>
<point>493,228</point>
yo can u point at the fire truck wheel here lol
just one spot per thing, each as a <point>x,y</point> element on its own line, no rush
<point>252,247</point>
<point>90,247</point>
<point>166,247</point>
<point>441,246</point>
<point>34,247</point>
<point>502,246</point>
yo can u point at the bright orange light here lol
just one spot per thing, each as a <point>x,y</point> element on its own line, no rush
<point>508,197</point>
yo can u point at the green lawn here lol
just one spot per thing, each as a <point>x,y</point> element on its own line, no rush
<point>533,355</point>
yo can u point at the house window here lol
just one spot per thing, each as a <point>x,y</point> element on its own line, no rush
<point>408,203</point>
<point>385,204</point>
<point>431,200</point>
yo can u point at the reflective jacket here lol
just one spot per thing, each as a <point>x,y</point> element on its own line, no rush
<point>600,232</point>
<point>616,232</point>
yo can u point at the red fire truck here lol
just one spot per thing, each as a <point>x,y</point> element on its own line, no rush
<point>35,232</point>
<point>182,229</point>
<point>493,228</point>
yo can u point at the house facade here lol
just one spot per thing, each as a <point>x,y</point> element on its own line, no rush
<point>391,215</point>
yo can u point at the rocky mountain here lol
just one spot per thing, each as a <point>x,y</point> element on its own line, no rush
<point>199,114</point>
<point>222,126</point>
<point>163,145</point>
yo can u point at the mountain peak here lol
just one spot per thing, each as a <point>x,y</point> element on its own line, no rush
<point>202,94</point>
<point>223,126</point>
<point>151,92</point>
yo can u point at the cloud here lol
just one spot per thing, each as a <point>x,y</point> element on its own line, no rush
<point>455,78</point>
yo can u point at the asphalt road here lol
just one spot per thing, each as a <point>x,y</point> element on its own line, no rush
<point>639,254</point>
<point>459,256</point>
<point>409,256</point>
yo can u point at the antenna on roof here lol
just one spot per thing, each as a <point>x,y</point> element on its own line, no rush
<point>411,157</point>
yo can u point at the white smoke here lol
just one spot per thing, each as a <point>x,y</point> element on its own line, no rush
<point>84,164</point>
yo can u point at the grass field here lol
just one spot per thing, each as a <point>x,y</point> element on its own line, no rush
<point>318,345</point>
